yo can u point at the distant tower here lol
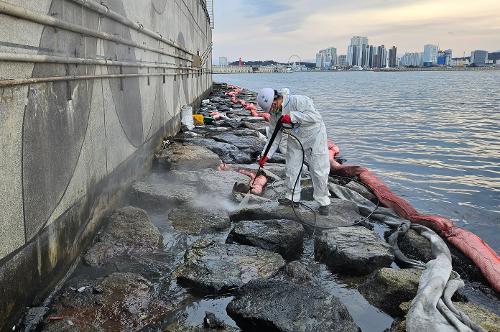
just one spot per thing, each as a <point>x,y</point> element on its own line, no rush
<point>241,62</point>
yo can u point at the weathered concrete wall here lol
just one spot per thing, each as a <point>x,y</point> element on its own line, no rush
<point>87,89</point>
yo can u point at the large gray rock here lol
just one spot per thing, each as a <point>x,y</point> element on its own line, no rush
<point>246,132</point>
<point>183,176</point>
<point>251,144</point>
<point>162,194</point>
<point>299,273</point>
<point>220,183</point>
<point>352,250</point>
<point>342,213</point>
<point>228,153</point>
<point>188,156</point>
<point>272,305</point>
<point>415,246</point>
<point>285,237</point>
<point>360,189</point>
<point>197,220</point>
<point>259,126</point>
<point>129,228</point>
<point>387,288</point>
<point>483,317</point>
<point>118,302</point>
<point>216,268</point>
<point>486,318</point>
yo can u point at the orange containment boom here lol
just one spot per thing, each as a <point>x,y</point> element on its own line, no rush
<point>467,242</point>
<point>248,106</point>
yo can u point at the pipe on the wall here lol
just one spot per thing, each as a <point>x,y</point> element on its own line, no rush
<point>40,58</point>
<point>25,14</point>
<point>105,11</point>
<point>37,80</point>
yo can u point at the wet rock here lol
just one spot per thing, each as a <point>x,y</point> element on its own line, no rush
<point>360,189</point>
<point>352,250</point>
<point>481,316</point>
<point>212,322</point>
<point>285,237</point>
<point>215,268</point>
<point>183,177</point>
<point>34,317</point>
<point>209,130</point>
<point>399,325</point>
<point>118,302</point>
<point>228,153</point>
<point>220,183</point>
<point>259,126</point>
<point>415,246</point>
<point>188,156</point>
<point>162,194</point>
<point>245,132</point>
<point>254,119</point>
<point>387,288</point>
<point>298,272</point>
<point>129,228</point>
<point>231,123</point>
<point>342,213</point>
<point>182,326</point>
<point>272,305</point>
<point>487,319</point>
<point>152,265</point>
<point>251,144</point>
<point>197,220</point>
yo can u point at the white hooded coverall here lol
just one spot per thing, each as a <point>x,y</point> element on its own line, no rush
<point>310,130</point>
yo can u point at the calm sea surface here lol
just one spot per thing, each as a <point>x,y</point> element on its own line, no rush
<point>432,137</point>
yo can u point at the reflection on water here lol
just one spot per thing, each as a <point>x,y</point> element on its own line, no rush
<point>433,137</point>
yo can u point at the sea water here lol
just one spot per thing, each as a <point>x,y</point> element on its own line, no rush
<point>432,137</point>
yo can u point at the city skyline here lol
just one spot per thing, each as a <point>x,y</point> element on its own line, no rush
<point>261,30</point>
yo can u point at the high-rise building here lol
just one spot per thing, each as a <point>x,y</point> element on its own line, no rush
<point>327,58</point>
<point>342,60</point>
<point>371,54</point>
<point>494,57</point>
<point>444,58</point>
<point>222,61</point>
<point>448,56</point>
<point>414,59</point>
<point>479,57</point>
<point>357,51</point>
<point>393,56</point>
<point>430,55</point>
<point>441,58</point>
<point>379,57</point>
<point>319,60</point>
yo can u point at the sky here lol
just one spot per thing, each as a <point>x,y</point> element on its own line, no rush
<point>265,30</point>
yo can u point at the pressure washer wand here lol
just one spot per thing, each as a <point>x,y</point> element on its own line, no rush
<point>278,127</point>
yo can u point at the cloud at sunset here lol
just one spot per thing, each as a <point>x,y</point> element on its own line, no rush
<point>277,29</point>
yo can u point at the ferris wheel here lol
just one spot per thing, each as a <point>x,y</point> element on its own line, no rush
<point>294,61</point>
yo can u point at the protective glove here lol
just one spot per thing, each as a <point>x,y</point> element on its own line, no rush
<point>286,119</point>
<point>263,160</point>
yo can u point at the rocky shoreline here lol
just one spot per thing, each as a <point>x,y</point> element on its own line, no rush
<point>183,255</point>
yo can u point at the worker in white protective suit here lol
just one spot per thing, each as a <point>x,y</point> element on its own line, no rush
<point>308,127</point>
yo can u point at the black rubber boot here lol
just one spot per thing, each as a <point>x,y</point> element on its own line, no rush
<point>324,210</point>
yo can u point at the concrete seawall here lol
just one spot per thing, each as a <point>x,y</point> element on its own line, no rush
<point>87,91</point>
